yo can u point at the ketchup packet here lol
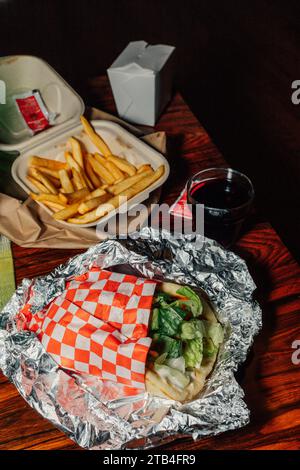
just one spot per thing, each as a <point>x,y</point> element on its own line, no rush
<point>34,111</point>
<point>180,207</point>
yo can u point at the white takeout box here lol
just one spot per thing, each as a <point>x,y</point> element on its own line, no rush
<point>21,72</point>
<point>34,73</point>
<point>119,140</point>
<point>141,81</point>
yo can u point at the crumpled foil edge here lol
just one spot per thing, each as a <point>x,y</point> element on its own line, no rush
<point>77,407</point>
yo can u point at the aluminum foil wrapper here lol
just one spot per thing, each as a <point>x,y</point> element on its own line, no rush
<point>97,415</point>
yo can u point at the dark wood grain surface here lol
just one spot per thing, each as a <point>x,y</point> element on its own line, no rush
<point>269,378</point>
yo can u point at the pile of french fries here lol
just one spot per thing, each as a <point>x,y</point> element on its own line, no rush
<point>87,186</point>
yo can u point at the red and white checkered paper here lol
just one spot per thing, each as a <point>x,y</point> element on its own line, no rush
<point>99,326</point>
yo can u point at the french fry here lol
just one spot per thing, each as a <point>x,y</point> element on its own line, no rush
<point>93,215</point>
<point>71,162</point>
<point>63,198</point>
<point>96,193</point>
<point>76,150</point>
<point>48,197</point>
<point>91,174</point>
<point>38,185</point>
<point>115,171</point>
<point>90,204</point>
<point>100,158</point>
<point>119,180</point>
<point>47,163</point>
<point>122,164</point>
<point>77,180</point>
<point>101,170</point>
<point>54,205</point>
<point>144,167</point>
<point>67,212</point>
<point>117,188</point>
<point>110,166</point>
<point>138,187</point>
<point>54,181</point>
<point>145,182</point>
<point>34,196</point>
<point>94,137</point>
<point>66,183</point>
<point>78,196</point>
<point>115,201</point>
<point>86,179</point>
<point>35,173</point>
<point>48,171</point>
<point>82,179</point>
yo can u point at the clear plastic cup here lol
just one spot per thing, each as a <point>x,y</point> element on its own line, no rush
<point>227,196</point>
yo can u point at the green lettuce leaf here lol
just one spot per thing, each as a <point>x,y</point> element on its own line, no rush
<point>161,359</point>
<point>176,306</point>
<point>193,304</point>
<point>162,297</point>
<point>192,352</point>
<point>166,344</point>
<point>214,331</point>
<point>191,329</point>
<point>169,320</point>
<point>155,319</point>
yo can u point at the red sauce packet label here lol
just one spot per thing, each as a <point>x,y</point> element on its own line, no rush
<point>180,207</point>
<point>32,113</point>
<point>33,110</point>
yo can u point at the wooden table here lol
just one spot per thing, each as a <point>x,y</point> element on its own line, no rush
<point>270,380</point>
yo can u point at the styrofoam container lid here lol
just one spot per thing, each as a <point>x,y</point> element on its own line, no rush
<point>22,72</point>
<point>119,140</point>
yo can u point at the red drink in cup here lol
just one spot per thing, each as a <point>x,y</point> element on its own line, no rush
<point>227,196</point>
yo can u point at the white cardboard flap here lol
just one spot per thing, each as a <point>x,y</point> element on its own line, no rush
<point>133,96</point>
<point>139,55</point>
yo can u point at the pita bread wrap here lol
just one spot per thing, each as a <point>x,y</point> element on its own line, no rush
<point>180,379</point>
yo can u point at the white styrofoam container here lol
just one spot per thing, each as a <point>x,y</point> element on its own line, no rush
<point>119,140</point>
<point>22,72</point>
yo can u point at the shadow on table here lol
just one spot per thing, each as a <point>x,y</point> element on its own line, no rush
<point>250,373</point>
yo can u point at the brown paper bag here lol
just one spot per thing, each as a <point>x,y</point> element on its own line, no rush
<point>28,224</point>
